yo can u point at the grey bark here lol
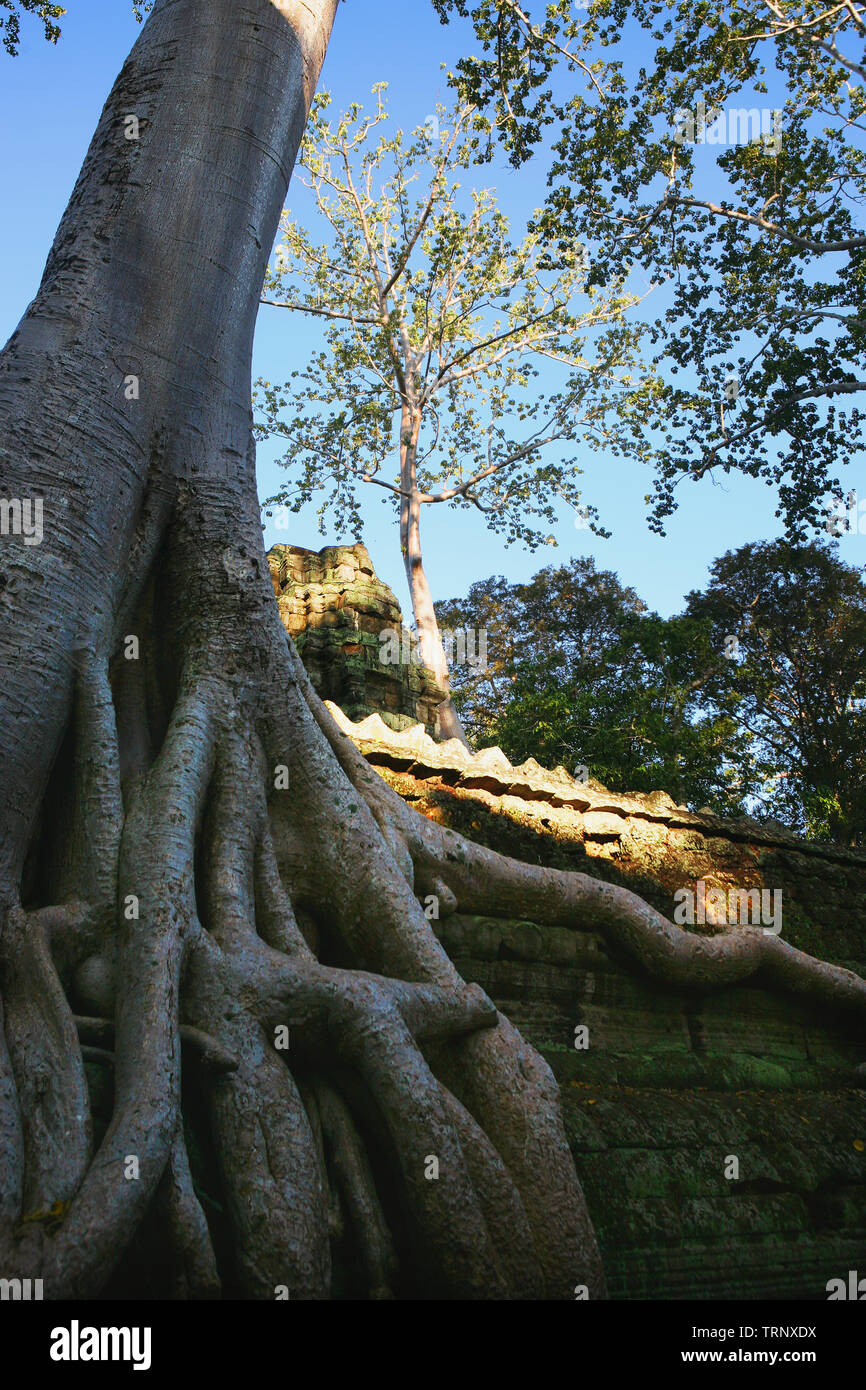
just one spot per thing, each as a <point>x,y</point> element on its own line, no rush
<point>125,394</point>
<point>169,899</point>
<point>426,624</point>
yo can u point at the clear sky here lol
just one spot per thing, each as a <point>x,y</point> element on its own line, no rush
<point>50,99</point>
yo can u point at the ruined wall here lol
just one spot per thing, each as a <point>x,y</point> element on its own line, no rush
<point>672,1084</point>
<point>334,607</point>
<point>643,842</point>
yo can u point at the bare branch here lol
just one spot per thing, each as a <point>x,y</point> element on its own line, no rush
<point>672,200</point>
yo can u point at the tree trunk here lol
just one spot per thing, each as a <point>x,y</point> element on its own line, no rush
<point>207,898</point>
<point>429,637</point>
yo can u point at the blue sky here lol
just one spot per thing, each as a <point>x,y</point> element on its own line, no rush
<point>50,99</point>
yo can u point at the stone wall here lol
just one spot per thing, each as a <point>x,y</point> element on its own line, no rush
<point>335,607</point>
<point>673,1084</point>
<point>643,842</point>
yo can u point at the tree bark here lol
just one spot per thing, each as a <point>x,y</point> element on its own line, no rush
<point>155,273</point>
<point>206,895</point>
<point>429,637</point>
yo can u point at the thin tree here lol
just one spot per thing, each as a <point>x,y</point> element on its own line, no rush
<point>440,322</point>
<point>187,839</point>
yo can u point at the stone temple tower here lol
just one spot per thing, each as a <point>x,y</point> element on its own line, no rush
<point>348,629</point>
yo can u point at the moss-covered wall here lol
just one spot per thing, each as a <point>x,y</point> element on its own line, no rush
<point>669,1088</point>
<point>672,1085</point>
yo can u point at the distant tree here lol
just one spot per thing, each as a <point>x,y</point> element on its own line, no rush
<point>752,699</point>
<point>441,323</point>
<point>567,617</point>
<point>579,672</point>
<point>795,622</point>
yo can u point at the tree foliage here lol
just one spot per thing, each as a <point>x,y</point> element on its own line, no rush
<point>717,147</point>
<point>10,24</point>
<point>440,321</point>
<point>751,699</point>
<point>580,672</point>
<point>570,615</point>
<point>794,680</point>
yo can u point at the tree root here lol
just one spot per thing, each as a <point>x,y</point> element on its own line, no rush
<point>193,1263</point>
<point>351,1175</point>
<point>478,880</point>
<point>247,905</point>
<point>209,1052</point>
<point>52,1097</point>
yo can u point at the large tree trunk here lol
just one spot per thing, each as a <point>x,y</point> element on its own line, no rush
<point>199,872</point>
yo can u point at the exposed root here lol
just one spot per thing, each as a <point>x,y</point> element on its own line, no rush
<point>309,1095</point>
<point>193,1263</point>
<point>100,1055</point>
<point>266,1151</point>
<point>11,1141</point>
<point>461,1257</point>
<point>479,880</point>
<point>483,881</point>
<point>99,804</point>
<point>52,1098</point>
<point>110,1196</point>
<point>209,1052</point>
<point>352,1177</point>
<point>320,1066</point>
<point>501,1204</point>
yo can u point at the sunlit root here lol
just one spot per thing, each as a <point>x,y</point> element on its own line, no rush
<point>482,881</point>
<point>485,881</point>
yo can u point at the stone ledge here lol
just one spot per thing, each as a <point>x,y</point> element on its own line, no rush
<point>603,814</point>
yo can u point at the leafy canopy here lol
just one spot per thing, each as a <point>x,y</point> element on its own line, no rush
<point>795,622</point>
<point>439,322</point>
<point>10,24</point>
<point>753,698</point>
<point>579,672</point>
<point>718,148</point>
